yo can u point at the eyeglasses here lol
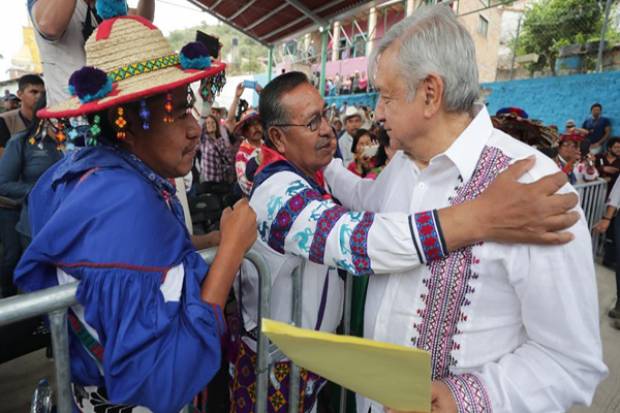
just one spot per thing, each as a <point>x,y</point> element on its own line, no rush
<point>312,126</point>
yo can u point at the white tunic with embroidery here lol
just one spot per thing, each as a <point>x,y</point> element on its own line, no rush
<point>511,328</point>
<point>297,220</point>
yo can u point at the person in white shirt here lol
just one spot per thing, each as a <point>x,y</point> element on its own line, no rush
<point>352,122</point>
<point>299,222</point>
<point>511,328</point>
<point>613,204</point>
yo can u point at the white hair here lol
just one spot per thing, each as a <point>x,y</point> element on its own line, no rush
<point>433,41</point>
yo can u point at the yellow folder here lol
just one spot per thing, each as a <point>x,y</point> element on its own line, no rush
<point>396,376</point>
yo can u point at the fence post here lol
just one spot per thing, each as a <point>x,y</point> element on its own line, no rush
<point>60,344</point>
<point>348,298</point>
<point>264,308</point>
<point>296,304</point>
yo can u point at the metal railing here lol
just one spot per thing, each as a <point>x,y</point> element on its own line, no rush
<point>592,198</point>
<point>56,300</point>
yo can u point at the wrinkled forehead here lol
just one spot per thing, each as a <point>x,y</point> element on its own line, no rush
<point>302,102</point>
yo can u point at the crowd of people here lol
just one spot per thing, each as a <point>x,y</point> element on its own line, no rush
<point>463,241</point>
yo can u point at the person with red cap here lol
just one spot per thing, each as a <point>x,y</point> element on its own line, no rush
<point>569,160</point>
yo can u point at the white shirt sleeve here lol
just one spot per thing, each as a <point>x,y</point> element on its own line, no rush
<point>350,189</point>
<point>560,364</point>
<point>613,200</point>
<point>295,218</point>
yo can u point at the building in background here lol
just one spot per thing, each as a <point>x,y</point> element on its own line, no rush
<point>353,37</point>
<point>27,60</point>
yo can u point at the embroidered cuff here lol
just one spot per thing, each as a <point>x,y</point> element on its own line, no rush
<point>469,393</point>
<point>427,236</point>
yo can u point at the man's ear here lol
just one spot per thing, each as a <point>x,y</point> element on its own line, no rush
<point>277,138</point>
<point>432,87</point>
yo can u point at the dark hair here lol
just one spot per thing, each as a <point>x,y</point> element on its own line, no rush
<point>32,129</point>
<point>27,80</point>
<point>596,105</point>
<point>358,135</point>
<point>269,106</point>
<point>384,142</point>
<point>614,140</point>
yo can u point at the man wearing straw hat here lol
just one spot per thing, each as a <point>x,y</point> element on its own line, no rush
<point>148,327</point>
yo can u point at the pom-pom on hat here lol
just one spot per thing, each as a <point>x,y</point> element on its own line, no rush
<point>512,111</point>
<point>137,61</point>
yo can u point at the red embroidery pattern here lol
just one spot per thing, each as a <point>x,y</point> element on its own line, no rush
<point>429,236</point>
<point>469,394</point>
<point>448,284</point>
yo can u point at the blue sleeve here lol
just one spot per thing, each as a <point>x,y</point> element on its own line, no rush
<point>10,170</point>
<point>159,351</point>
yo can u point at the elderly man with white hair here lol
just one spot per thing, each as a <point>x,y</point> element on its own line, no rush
<point>511,328</point>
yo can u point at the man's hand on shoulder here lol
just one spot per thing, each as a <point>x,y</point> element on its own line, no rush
<point>535,213</point>
<point>512,212</point>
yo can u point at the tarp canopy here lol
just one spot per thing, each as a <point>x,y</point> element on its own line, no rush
<point>270,21</point>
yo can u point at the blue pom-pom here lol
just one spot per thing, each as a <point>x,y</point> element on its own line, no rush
<point>195,55</point>
<point>89,83</point>
<point>106,9</point>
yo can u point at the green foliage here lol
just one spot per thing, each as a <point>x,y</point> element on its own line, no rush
<point>551,24</point>
<point>248,56</point>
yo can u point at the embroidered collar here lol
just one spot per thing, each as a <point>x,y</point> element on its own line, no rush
<point>272,161</point>
<point>163,186</point>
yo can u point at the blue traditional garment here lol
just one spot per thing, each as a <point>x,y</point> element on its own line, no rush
<point>102,217</point>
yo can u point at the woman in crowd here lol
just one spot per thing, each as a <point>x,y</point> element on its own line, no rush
<point>217,157</point>
<point>364,149</point>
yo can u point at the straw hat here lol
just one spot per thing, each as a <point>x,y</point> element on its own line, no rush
<point>247,116</point>
<point>351,112</point>
<point>128,58</point>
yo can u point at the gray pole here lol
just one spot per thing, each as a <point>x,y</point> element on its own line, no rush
<point>296,310</point>
<point>60,345</point>
<point>514,52</point>
<point>601,45</point>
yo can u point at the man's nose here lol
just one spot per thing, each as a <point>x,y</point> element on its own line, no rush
<point>379,111</point>
<point>193,129</point>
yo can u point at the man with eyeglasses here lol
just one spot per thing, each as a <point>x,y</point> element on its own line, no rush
<point>299,222</point>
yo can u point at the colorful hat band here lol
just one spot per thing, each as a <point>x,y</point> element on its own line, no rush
<point>146,66</point>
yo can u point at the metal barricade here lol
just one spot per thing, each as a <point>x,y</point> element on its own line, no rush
<point>592,198</point>
<point>56,300</point>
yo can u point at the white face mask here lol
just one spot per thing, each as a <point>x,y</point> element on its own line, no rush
<point>370,151</point>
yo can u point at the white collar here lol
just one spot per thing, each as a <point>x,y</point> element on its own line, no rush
<point>467,148</point>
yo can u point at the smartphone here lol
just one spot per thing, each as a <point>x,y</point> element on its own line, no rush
<point>250,84</point>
